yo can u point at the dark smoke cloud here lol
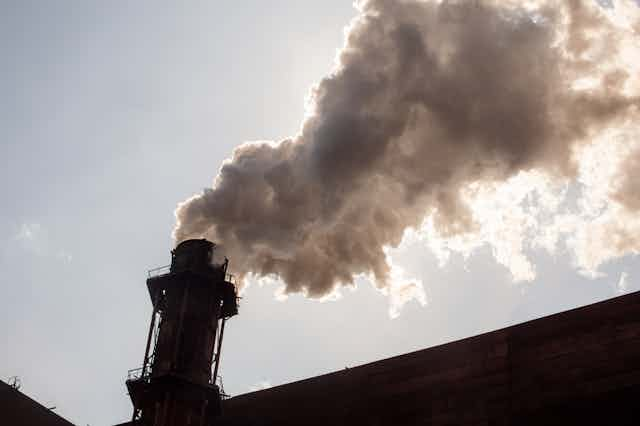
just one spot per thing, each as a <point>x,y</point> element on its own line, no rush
<point>426,98</point>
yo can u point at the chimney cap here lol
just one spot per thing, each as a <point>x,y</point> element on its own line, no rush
<point>195,254</point>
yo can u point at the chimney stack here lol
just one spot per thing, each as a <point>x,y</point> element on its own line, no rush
<point>192,298</point>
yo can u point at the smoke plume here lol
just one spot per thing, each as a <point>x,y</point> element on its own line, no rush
<point>432,107</point>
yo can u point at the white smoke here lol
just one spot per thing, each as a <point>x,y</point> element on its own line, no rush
<point>462,123</point>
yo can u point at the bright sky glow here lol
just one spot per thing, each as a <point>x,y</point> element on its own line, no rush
<point>113,112</point>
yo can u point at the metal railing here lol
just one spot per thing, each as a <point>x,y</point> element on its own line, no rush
<point>164,270</point>
<point>134,374</point>
<point>220,385</point>
<point>156,272</point>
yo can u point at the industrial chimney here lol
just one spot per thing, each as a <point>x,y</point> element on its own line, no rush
<point>192,298</point>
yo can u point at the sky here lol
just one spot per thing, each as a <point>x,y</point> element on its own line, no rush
<point>113,112</point>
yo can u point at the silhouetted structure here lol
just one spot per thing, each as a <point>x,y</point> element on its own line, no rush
<point>579,367</point>
<point>176,384</point>
<point>17,409</point>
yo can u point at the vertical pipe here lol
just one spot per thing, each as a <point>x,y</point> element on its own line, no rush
<point>145,361</point>
<point>217,361</point>
<point>213,329</point>
<point>214,350</point>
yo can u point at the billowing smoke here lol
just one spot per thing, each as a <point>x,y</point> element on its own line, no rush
<point>430,105</point>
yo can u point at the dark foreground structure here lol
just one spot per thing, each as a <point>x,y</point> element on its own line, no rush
<point>192,298</point>
<point>580,367</point>
<point>17,409</point>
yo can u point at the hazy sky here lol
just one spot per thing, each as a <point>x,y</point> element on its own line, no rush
<point>111,113</point>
